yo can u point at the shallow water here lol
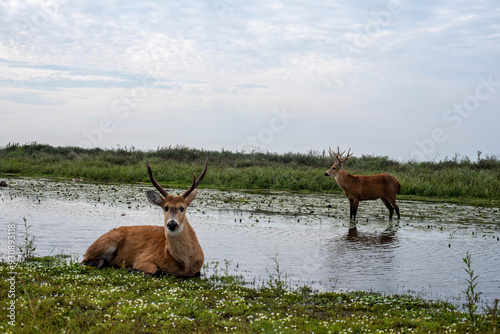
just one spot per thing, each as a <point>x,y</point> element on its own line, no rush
<point>308,235</point>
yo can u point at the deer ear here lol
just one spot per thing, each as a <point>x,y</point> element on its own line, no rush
<point>154,198</point>
<point>191,196</point>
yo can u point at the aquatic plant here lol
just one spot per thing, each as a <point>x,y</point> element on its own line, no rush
<point>28,247</point>
<point>278,279</point>
<point>493,311</point>
<point>471,292</point>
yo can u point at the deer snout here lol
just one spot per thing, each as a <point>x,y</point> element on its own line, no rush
<point>326,173</point>
<point>172,226</point>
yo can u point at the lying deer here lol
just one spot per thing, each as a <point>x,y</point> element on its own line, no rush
<point>360,187</point>
<point>171,249</point>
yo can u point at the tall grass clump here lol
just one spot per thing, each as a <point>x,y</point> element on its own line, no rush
<point>457,177</point>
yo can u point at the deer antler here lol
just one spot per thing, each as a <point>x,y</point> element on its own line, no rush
<point>348,154</point>
<point>196,182</point>
<point>153,180</point>
<point>331,153</point>
<point>338,156</point>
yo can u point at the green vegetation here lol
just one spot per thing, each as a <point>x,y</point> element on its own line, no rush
<point>471,291</point>
<point>449,179</point>
<point>52,295</point>
<point>28,247</point>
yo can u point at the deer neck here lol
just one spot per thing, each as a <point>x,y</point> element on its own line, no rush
<point>183,247</point>
<point>343,178</point>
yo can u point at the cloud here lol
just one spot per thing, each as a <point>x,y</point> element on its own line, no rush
<point>229,63</point>
<point>31,74</point>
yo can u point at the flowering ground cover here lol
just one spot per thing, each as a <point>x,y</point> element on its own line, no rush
<point>54,296</point>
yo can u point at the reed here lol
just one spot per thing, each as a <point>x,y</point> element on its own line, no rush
<point>450,178</point>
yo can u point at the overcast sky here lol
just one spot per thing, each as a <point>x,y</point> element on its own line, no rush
<point>407,79</point>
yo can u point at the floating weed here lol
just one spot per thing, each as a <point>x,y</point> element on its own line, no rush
<point>59,296</point>
<point>260,207</point>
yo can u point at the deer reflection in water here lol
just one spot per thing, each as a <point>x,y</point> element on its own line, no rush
<point>361,251</point>
<point>364,260</point>
<point>367,238</point>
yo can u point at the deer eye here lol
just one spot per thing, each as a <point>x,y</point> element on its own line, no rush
<point>333,167</point>
<point>181,209</point>
<point>166,208</point>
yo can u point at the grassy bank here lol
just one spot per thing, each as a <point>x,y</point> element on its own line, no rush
<point>448,179</point>
<point>51,296</point>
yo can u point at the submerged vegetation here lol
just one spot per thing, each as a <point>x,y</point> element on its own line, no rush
<point>53,295</point>
<point>450,178</point>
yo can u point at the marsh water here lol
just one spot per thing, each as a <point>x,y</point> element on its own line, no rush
<point>252,234</point>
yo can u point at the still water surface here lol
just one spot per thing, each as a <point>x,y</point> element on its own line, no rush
<point>309,235</point>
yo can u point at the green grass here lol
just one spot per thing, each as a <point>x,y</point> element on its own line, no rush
<point>53,296</point>
<point>454,179</point>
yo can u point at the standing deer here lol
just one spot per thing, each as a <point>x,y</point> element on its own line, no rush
<point>171,249</point>
<point>360,187</point>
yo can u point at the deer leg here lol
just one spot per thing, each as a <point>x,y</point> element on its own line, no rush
<point>351,207</point>
<point>158,272</point>
<point>355,204</point>
<point>147,268</point>
<point>100,255</point>
<point>396,208</point>
<point>389,206</point>
<point>103,252</point>
<point>392,201</point>
<point>101,264</point>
